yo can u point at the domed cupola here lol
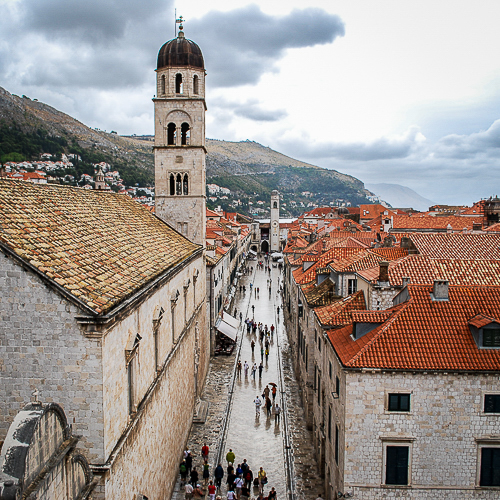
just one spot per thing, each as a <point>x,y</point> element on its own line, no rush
<point>180,52</point>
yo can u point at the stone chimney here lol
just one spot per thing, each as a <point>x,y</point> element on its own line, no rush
<point>383,276</point>
<point>440,290</point>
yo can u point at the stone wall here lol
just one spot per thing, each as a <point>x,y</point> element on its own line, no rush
<point>443,429</point>
<point>42,347</point>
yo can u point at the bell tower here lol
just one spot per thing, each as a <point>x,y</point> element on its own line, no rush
<point>274,230</point>
<point>180,137</point>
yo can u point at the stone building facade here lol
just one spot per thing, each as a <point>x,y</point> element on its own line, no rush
<point>407,401</point>
<point>104,312</point>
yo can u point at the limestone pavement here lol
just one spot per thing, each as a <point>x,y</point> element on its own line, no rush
<point>257,437</point>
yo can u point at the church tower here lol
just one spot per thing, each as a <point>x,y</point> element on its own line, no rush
<point>180,137</point>
<point>275,221</point>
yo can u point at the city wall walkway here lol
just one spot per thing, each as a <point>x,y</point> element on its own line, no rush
<point>258,438</point>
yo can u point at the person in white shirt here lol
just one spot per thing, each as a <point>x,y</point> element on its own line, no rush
<point>238,483</point>
<point>258,404</point>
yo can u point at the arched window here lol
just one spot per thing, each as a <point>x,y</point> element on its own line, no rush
<point>185,134</point>
<point>178,184</point>
<point>172,185</point>
<point>162,90</point>
<point>195,84</point>
<point>178,83</point>
<point>275,204</point>
<point>171,134</point>
<point>185,184</point>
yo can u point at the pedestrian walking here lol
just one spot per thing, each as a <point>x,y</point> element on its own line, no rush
<point>267,391</point>
<point>272,330</point>
<point>269,406</point>
<point>212,489</point>
<point>253,309</point>
<point>189,460</point>
<point>278,311</point>
<point>267,355</point>
<point>238,368</point>
<point>248,478</point>
<point>261,367</point>
<point>244,466</point>
<point>246,366</point>
<point>254,369</point>
<point>277,411</point>
<point>194,476</point>
<point>272,494</point>
<point>238,483</point>
<point>241,316</point>
<point>231,495</point>
<point>183,471</point>
<point>218,474</point>
<point>262,480</point>
<point>206,472</point>
<point>274,390</point>
<point>252,345</point>
<point>197,492</point>
<point>261,353</point>
<point>230,456</point>
<point>188,491</point>
<point>266,344</point>
<point>258,404</point>
<point>204,451</point>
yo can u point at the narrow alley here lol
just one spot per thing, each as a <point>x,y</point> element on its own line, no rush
<point>283,447</point>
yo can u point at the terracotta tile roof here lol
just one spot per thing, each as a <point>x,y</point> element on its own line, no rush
<point>425,335</point>
<point>371,316</point>
<point>458,245</point>
<point>100,246</point>
<point>468,272</point>
<point>211,213</point>
<point>373,211</point>
<point>339,313</point>
<point>481,320</point>
<point>493,228</point>
<point>362,260</point>
<point>456,223</point>
<point>390,253</point>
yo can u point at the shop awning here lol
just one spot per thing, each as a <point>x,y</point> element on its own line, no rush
<point>228,326</point>
<point>252,252</point>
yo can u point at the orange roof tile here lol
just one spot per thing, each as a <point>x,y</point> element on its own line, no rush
<point>458,245</point>
<point>99,246</point>
<point>339,313</point>
<point>423,334</point>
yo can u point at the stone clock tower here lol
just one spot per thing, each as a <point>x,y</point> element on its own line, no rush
<point>274,230</point>
<point>180,137</point>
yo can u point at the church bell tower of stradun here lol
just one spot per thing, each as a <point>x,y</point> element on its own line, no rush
<point>180,137</point>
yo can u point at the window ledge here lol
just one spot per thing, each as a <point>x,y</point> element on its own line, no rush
<point>396,486</point>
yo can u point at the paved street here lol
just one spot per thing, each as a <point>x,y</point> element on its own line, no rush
<point>257,437</point>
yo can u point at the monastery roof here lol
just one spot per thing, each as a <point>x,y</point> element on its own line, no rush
<point>99,246</point>
<point>423,334</point>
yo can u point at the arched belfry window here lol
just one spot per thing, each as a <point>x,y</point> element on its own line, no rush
<point>178,83</point>
<point>275,204</point>
<point>172,185</point>
<point>171,134</point>
<point>185,134</point>
<point>185,185</point>
<point>178,184</point>
<point>162,86</point>
<point>195,84</point>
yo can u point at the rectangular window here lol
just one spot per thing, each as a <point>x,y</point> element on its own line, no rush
<point>319,389</point>
<point>492,403</point>
<point>491,337</point>
<point>337,385</point>
<point>351,287</point>
<point>330,369</point>
<point>330,423</point>
<point>319,344</point>
<point>396,467</point>
<point>490,467</point>
<point>399,402</point>
<point>337,444</point>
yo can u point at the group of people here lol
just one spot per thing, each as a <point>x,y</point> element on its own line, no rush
<point>271,407</point>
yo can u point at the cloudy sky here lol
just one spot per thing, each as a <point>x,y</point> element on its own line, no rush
<point>389,91</point>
